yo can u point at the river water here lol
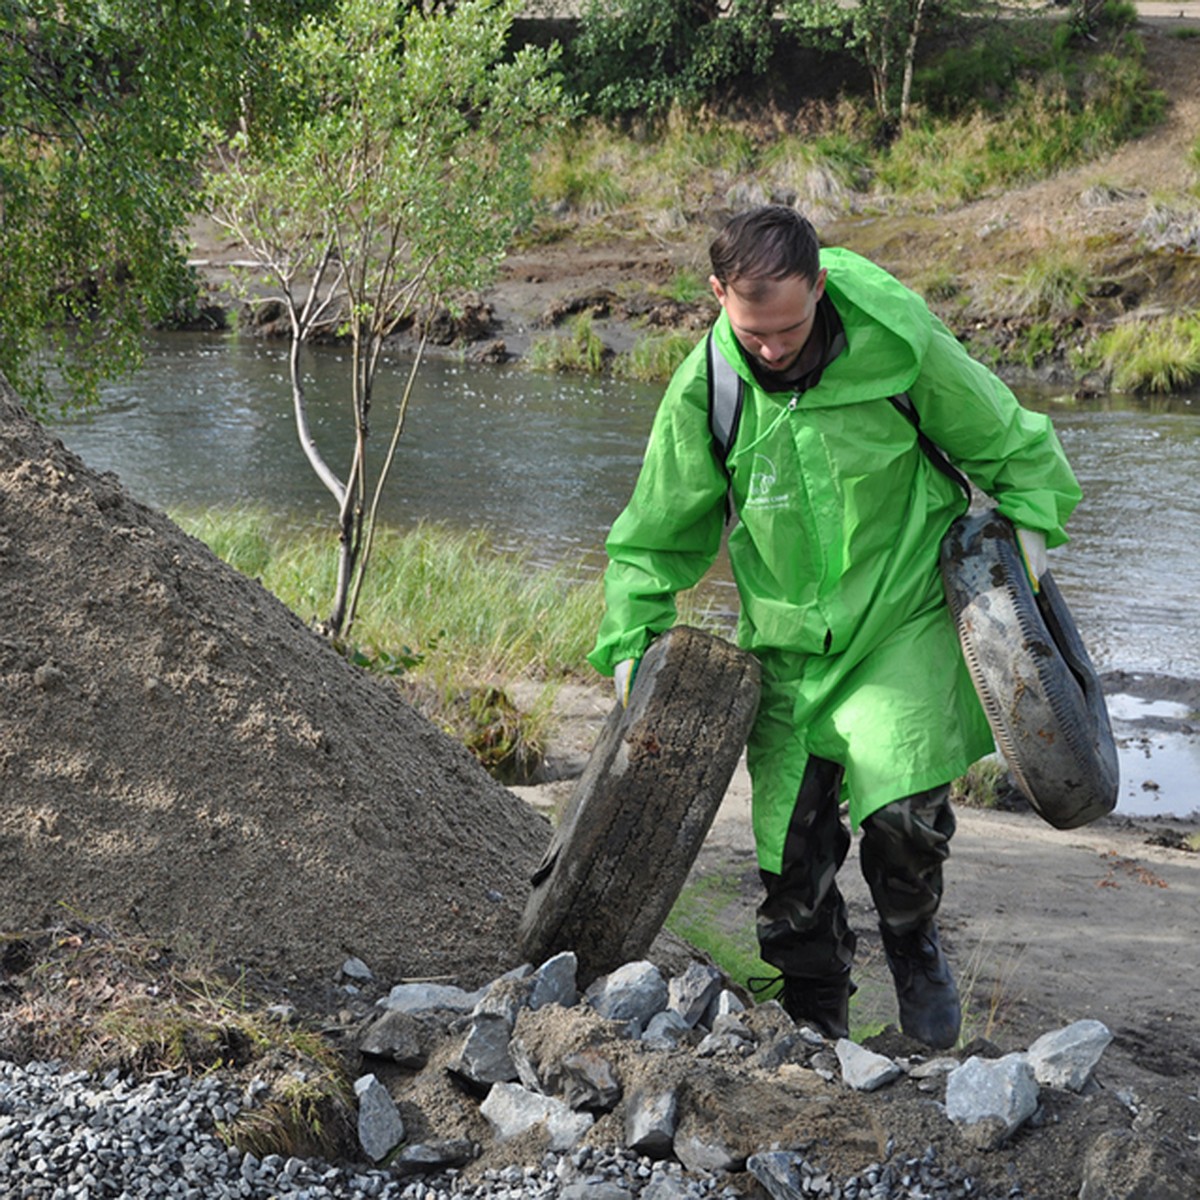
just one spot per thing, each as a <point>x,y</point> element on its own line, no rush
<point>545,462</point>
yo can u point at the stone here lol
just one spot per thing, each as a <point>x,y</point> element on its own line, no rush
<point>590,1082</point>
<point>1066,1058</point>
<point>429,997</point>
<point>512,1110</point>
<point>356,969</point>
<point>633,992</point>
<point>693,992</point>
<point>506,996</point>
<point>665,1029</point>
<point>779,1173</point>
<point>484,1057</point>
<point>989,1099</point>
<point>594,1189</point>
<point>651,1118</point>
<point>395,1035</point>
<point>665,1187</point>
<point>702,1151</point>
<point>428,1158</point>
<point>380,1127</point>
<point>863,1069</point>
<point>724,1003</point>
<point>555,982</point>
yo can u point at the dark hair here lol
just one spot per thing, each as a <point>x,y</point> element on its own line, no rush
<point>766,243</point>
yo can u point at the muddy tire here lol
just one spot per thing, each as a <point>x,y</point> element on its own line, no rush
<point>643,805</point>
<point>1032,672</point>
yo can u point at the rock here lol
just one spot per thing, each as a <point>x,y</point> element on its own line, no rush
<point>555,982</point>
<point>729,1036</point>
<point>666,1187</point>
<point>590,1082</point>
<point>512,1110</point>
<point>703,1150</point>
<point>692,993</point>
<point>428,1158</point>
<point>933,1068</point>
<point>724,1003</point>
<point>779,1173</point>
<point>633,992</point>
<point>651,1118</point>
<point>429,997</point>
<point>356,969</point>
<point>485,1058</point>
<point>594,1189</point>
<point>395,1035</point>
<point>990,1099</point>
<point>863,1069</point>
<point>1066,1058</point>
<point>665,1030</point>
<point>380,1128</point>
<point>505,998</point>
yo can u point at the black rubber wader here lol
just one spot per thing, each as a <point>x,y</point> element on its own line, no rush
<point>643,806</point>
<point>1032,672</point>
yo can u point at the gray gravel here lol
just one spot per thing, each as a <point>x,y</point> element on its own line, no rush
<point>68,1135</point>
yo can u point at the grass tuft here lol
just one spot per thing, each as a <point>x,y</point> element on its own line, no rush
<point>1159,355</point>
<point>100,1000</point>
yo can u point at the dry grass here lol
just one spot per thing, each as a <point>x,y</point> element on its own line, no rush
<point>85,995</point>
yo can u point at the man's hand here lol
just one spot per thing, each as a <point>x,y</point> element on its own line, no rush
<point>623,676</point>
<point>1033,551</point>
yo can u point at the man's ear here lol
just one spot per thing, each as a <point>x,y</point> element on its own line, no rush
<point>717,289</point>
<point>819,290</point>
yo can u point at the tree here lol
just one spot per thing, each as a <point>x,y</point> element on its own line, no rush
<point>640,57</point>
<point>394,185</point>
<point>101,107</point>
<point>883,34</point>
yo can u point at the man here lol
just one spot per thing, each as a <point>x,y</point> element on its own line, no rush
<point>866,699</point>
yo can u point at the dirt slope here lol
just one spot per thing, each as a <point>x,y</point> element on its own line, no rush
<point>179,753</point>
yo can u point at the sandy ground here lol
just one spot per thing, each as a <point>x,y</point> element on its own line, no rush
<point>1044,926</point>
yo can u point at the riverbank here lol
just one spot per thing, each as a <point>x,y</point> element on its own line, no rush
<point>1128,224</point>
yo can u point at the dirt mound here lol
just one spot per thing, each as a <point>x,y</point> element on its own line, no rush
<point>180,754</point>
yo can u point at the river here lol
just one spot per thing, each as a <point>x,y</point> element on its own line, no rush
<point>545,462</point>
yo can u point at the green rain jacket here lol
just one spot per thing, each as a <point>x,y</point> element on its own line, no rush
<point>835,553</point>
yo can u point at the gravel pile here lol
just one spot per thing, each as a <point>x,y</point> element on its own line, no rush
<point>68,1135</point>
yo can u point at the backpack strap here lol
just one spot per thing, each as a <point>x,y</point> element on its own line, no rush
<point>726,393</point>
<point>935,454</point>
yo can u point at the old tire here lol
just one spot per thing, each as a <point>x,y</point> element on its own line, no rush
<point>643,805</point>
<point>1033,675</point>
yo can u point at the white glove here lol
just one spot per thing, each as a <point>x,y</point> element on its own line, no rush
<point>1033,551</point>
<point>623,676</point>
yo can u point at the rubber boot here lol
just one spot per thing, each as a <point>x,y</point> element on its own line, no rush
<point>930,1010</point>
<point>822,1003</point>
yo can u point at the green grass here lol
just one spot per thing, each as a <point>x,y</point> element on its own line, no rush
<point>456,621</point>
<point>1055,283</point>
<point>654,357</point>
<point>979,787</point>
<point>579,349</point>
<point>695,918</point>
<point>1160,356</point>
<point>700,916</point>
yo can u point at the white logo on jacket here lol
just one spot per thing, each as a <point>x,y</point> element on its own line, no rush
<point>760,492</point>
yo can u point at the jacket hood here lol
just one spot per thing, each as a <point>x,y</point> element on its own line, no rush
<point>887,328</point>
